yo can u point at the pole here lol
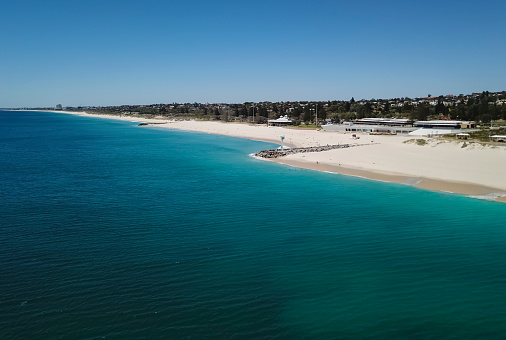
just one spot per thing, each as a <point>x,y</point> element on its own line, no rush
<point>316,115</point>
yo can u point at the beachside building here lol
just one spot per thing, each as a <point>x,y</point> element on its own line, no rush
<point>498,138</point>
<point>384,122</point>
<point>402,126</point>
<point>374,125</point>
<point>281,121</point>
<point>439,124</point>
<point>463,136</point>
<point>441,127</point>
<point>468,125</point>
<point>58,107</point>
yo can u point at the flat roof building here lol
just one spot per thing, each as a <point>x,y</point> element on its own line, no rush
<point>439,124</point>
<point>281,121</point>
<point>498,138</point>
<point>463,136</point>
<point>384,121</point>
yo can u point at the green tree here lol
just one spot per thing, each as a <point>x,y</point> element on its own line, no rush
<point>474,112</point>
<point>422,112</point>
<point>366,110</point>
<point>307,114</point>
<point>486,118</point>
<point>484,109</point>
<point>262,111</point>
<point>322,113</point>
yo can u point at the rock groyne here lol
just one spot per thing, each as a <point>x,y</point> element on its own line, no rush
<point>280,153</point>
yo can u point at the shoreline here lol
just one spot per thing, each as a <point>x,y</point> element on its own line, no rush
<point>392,159</point>
<point>431,184</point>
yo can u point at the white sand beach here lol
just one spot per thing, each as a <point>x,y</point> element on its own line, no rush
<point>440,165</point>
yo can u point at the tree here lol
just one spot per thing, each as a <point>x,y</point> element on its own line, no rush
<point>262,111</point>
<point>307,114</point>
<point>422,112</point>
<point>474,112</point>
<point>334,117</point>
<point>494,111</point>
<point>486,118</point>
<point>322,113</point>
<point>484,106</point>
<point>460,112</point>
<point>407,107</point>
<point>413,113</point>
<point>439,109</point>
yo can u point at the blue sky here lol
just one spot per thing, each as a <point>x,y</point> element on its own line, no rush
<point>78,52</point>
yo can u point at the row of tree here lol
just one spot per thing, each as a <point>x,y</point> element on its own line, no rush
<point>483,107</point>
<point>474,110</point>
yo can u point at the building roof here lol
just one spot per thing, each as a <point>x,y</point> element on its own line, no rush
<point>439,122</point>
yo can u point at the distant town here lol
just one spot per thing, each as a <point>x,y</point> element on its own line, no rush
<point>483,107</point>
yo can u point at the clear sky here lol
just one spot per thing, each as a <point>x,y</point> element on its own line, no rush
<point>104,52</point>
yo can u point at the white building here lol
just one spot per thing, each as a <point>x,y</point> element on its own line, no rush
<point>281,121</point>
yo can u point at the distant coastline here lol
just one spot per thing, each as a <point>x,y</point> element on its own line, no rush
<point>439,165</point>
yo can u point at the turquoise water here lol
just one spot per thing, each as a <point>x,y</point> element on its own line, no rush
<point>109,230</point>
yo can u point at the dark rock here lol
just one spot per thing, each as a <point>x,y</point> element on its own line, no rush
<point>279,153</point>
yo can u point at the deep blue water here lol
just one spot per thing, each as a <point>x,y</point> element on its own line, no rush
<point>109,230</point>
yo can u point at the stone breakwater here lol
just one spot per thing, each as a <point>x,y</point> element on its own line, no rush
<point>279,153</point>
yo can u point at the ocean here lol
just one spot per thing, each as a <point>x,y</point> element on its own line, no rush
<point>110,230</point>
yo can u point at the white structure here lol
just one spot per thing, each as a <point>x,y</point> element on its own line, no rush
<point>463,136</point>
<point>498,138</point>
<point>402,126</point>
<point>439,124</point>
<point>281,121</point>
<point>433,132</point>
<point>366,128</point>
<point>441,127</point>
<point>384,122</point>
